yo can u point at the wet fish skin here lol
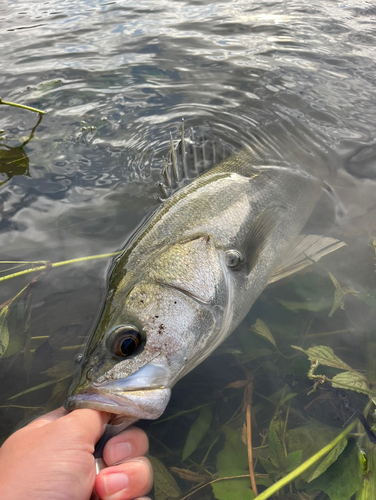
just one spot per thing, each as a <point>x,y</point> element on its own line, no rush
<point>188,277</point>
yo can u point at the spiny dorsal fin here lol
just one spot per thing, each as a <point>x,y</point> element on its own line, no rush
<point>307,248</point>
<point>188,160</point>
<point>258,233</point>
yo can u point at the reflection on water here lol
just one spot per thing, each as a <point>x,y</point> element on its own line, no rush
<point>294,79</point>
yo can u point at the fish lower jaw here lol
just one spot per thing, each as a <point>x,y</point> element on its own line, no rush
<point>146,403</point>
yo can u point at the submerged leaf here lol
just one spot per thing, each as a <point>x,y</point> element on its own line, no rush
<point>293,460</point>
<point>198,430</point>
<point>329,459</point>
<point>342,479</point>
<point>314,305</point>
<point>233,489</point>
<point>4,333</point>
<point>232,461</point>
<point>234,454</point>
<point>339,295</point>
<point>324,355</point>
<point>310,439</point>
<point>351,380</point>
<point>263,330</point>
<point>165,486</point>
<point>277,456</point>
<point>37,387</point>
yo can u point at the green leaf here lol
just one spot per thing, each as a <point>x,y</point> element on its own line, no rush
<point>339,295</point>
<point>277,456</point>
<point>232,489</point>
<point>324,355</point>
<point>165,486</point>
<point>268,466</point>
<point>351,380</point>
<point>232,461</point>
<point>4,333</point>
<point>329,460</point>
<point>320,304</point>
<point>293,460</point>
<point>263,330</point>
<point>198,430</point>
<point>342,479</point>
<point>310,439</point>
<point>234,454</point>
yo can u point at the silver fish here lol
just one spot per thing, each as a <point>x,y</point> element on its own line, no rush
<point>189,275</point>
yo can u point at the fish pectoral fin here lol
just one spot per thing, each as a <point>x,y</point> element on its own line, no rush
<point>258,234</point>
<point>307,248</point>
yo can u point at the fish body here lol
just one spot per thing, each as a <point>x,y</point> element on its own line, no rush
<point>186,279</point>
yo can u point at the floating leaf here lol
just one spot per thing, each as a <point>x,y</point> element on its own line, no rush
<point>329,459</point>
<point>342,479</point>
<point>351,380</point>
<point>4,333</point>
<point>324,355</point>
<point>197,431</point>
<point>165,486</point>
<point>263,330</point>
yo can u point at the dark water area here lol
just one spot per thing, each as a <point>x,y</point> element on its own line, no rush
<point>293,78</point>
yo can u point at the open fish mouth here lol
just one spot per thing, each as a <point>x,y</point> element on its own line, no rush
<point>144,394</point>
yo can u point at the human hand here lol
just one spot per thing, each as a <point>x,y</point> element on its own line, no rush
<point>52,459</point>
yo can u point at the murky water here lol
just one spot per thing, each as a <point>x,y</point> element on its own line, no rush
<point>294,78</point>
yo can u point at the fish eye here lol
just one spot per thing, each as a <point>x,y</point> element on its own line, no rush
<point>234,259</point>
<point>126,341</point>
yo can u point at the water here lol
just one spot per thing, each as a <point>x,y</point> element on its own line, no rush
<point>115,78</point>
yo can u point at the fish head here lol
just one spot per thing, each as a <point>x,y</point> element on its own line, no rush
<point>153,330</point>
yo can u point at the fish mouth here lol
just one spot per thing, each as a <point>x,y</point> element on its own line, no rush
<point>142,395</point>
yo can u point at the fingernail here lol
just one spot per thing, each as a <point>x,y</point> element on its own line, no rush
<point>115,482</point>
<point>120,452</point>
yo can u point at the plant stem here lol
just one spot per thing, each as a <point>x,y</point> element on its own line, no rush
<point>249,448</point>
<point>57,264</point>
<point>304,466</point>
<point>29,108</point>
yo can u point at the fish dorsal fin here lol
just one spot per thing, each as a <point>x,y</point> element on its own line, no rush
<point>307,248</point>
<point>258,233</point>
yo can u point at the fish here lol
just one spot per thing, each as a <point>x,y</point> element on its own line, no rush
<point>189,275</point>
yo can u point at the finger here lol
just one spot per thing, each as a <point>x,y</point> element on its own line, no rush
<point>126,481</point>
<point>87,425</point>
<point>48,417</point>
<point>132,442</point>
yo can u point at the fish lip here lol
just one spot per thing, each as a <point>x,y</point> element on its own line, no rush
<point>143,394</point>
<point>148,403</point>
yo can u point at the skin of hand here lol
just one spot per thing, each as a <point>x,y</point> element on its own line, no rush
<point>52,459</point>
